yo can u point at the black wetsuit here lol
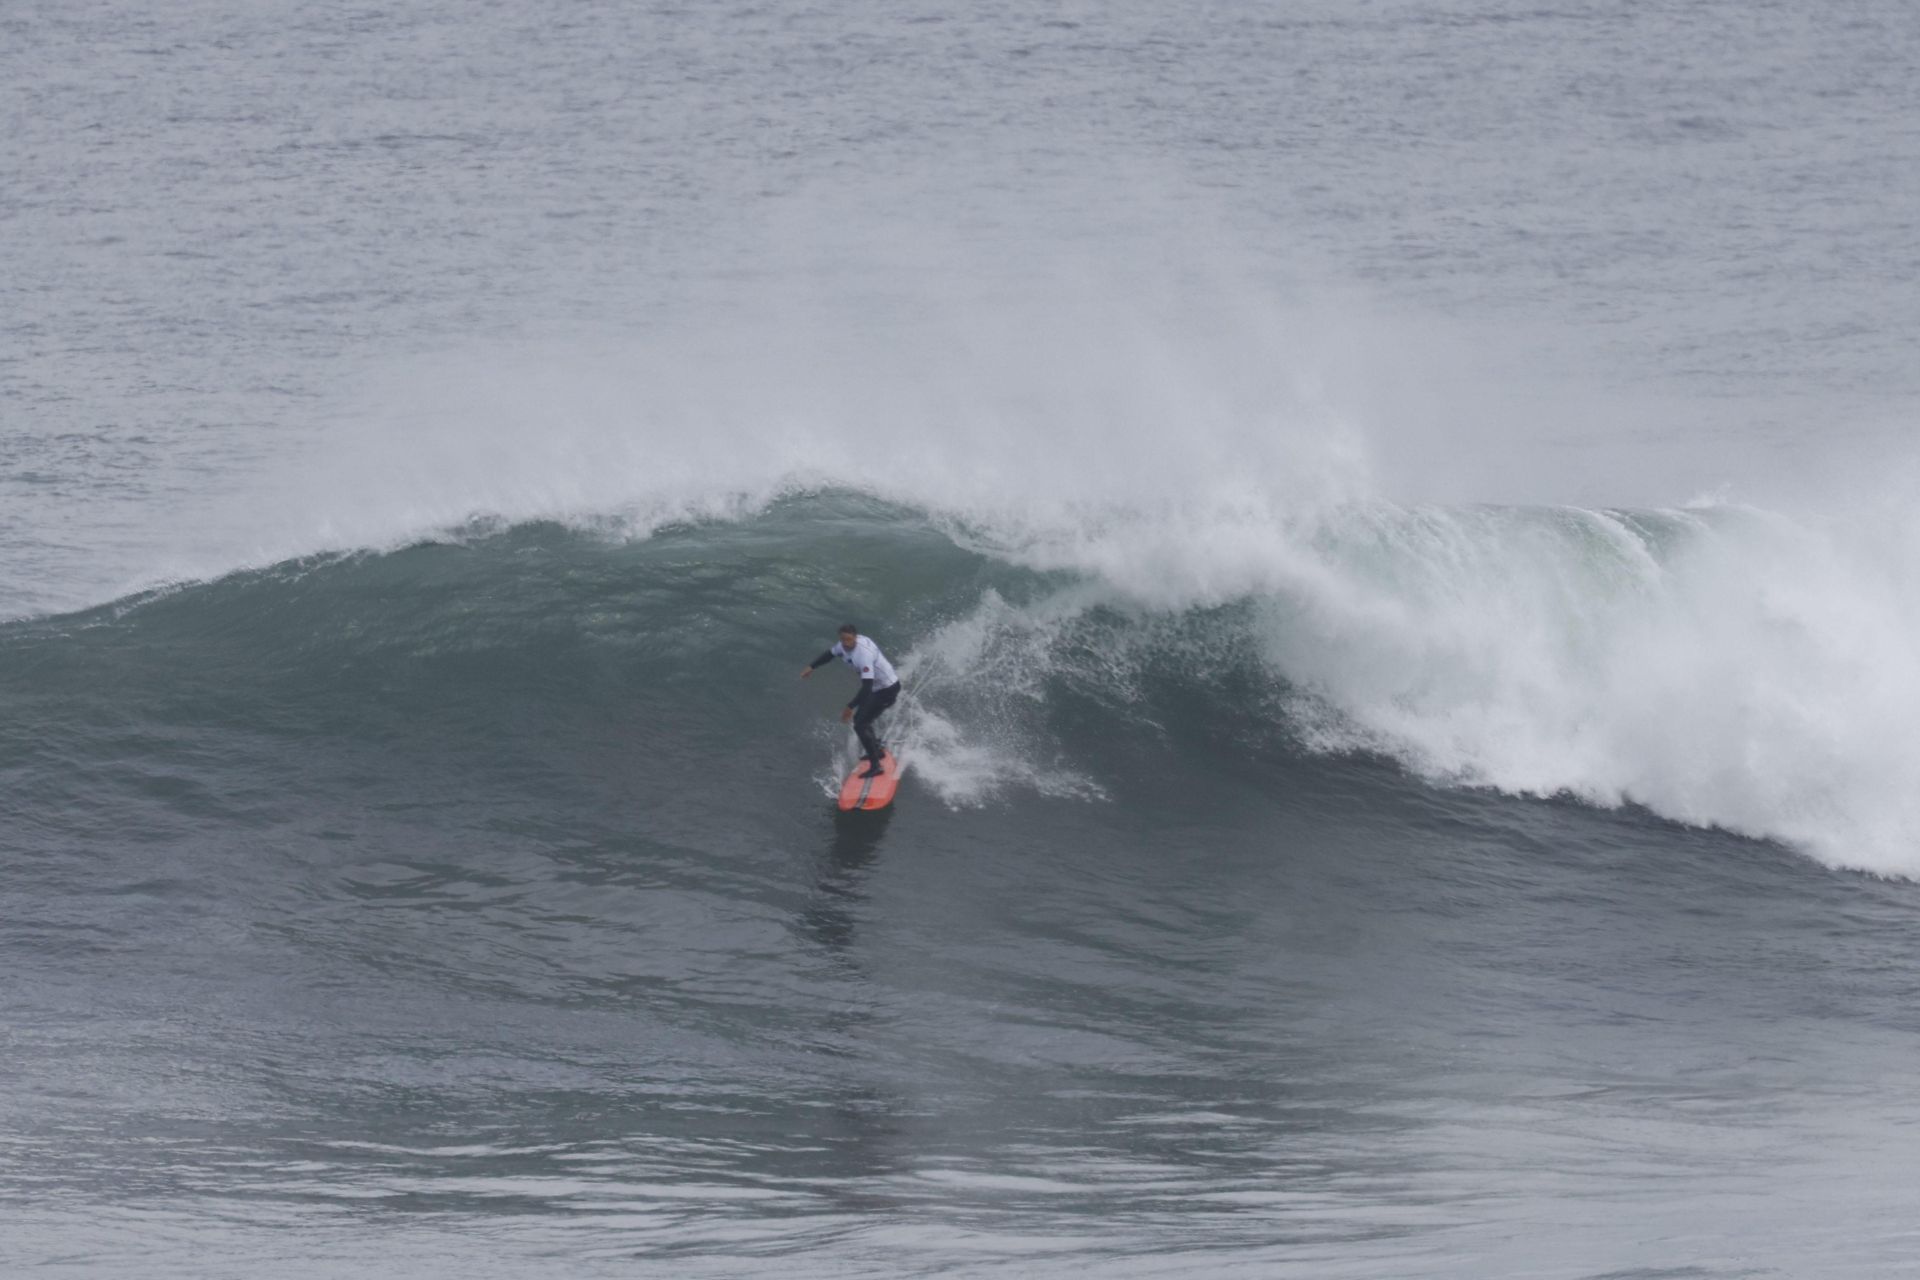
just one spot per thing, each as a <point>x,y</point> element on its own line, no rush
<point>870,706</point>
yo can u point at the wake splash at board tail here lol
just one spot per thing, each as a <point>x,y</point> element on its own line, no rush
<point>1720,667</point>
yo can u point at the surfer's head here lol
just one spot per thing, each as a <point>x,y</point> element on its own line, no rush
<point>849,634</point>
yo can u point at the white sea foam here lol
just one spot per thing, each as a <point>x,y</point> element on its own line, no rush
<point>1728,667</point>
<point>1722,666</point>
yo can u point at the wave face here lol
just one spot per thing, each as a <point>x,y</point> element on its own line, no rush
<point>1721,667</point>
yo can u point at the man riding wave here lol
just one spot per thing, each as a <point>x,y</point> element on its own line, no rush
<point>879,689</point>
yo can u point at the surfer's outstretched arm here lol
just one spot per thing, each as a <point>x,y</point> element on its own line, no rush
<point>816,664</point>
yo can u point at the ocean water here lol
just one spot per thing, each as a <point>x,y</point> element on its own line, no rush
<point>1395,519</point>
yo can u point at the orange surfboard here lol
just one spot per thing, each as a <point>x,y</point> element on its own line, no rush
<point>871,793</point>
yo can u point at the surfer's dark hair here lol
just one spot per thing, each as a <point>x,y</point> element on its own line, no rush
<point>847,628</point>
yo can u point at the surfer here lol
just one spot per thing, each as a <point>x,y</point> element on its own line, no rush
<point>879,688</point>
